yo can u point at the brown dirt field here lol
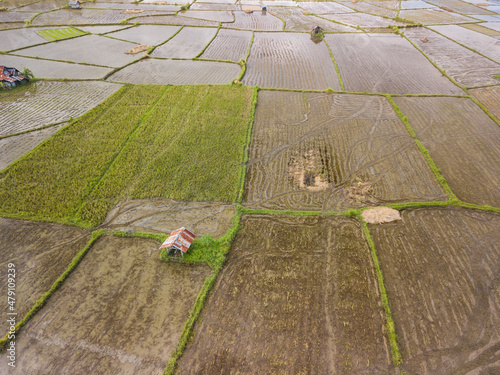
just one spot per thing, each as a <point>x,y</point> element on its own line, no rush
<point>166,215</point>
<point>41,252</point>
<point>331,152</point>
<point>463,142</point>
<point>434,17</point>
<point>298,295</point>
<point>121,311</point>
<point>441,269</point>
<point>481,29</point>
<point>490,98</point>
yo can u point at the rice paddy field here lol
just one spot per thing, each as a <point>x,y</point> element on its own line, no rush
<point>343,187</point>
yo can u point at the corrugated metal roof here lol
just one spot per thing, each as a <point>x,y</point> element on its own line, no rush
<point>180,239</point>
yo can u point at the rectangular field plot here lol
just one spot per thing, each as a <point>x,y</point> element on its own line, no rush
<point>290,60</point>
<point>9,16</point>
<point>174,20</point>
<point>254,21</point>
<point>362,20</point>
<point>178,72</point>
<point>40,6</point>
<point>490,98</point>
<point>460,7</point>
<point>217,16</point>
<point>441,272</point>
<point>463,142</point>
<point>44,103</point>
<point>297,296</point>
<point>187,44</point>
<point>19,38</point>
<point>60,34</point>
<point>88,49</point>
<point>121,311</point>
<point>331,152</point>
<point>461,64</point>
<point>147,34</point>
<point>324,7</point>
<point>229,45</point>
<point>434,17</point>
<point>298,21</point>
<point>386,63</point>
<point>40,252</point>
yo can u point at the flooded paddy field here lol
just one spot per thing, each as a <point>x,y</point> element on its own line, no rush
<point>490,98</point>
<point>19,38</point>
<point>296,20</point>
<point>300,297</point>
<point>86,49</point>
<point>85,17</point>
<point>15,16</point>
<point>464,143</point>
<point>41,252</point>
<point>121,311</point>
<point>464,66</point>
<point>381,8</point>
<point>164,215</point>
<point>96,29</point>
<point>362,20</point>
<point>255,21</point>
<point>217,16</point>
<point>42,6</point>
<point>146,34</point>
<point>46,102</point>
<point>174,20</point>
<point>229,45</point>
<point>177,72</point>
<point>133,6</point>
<point>324,7</point>
<point>482,29</point>
<point>331,152</point>
<point>434,16</point>
<point>441,269</point>
<point>386,63</point>
<point>458,6</point>
<point>188,43</point>
<point>285,60</point>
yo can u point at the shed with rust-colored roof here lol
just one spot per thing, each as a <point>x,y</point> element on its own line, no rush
<point>180,240</point>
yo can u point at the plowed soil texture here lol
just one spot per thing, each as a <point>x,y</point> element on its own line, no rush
<point>255,21</point>
<point>44,102</point>
<point>464,66</point>
<point>86,49</point>
<point>490,98</point>
<point>55,69</point>
<point>362,20</point>
<point>188,43</point>
<point>463,142</point>
<point>164,215</point>
<point>434,17</point>
<point>40,253</point>
<point>290,60</point>
<point>386,63</point>
<point>331,152</point>
<point>8,16</point>
<point>121,311</point>
<point>441,270</point>
<point>147,34</point>
<point>296,20</point>
<point>229,45</point>
<point>177,72</point>
<point>298,298</point>
<point>487,45</point>
<point>174,20</point>
<point>12,148</point>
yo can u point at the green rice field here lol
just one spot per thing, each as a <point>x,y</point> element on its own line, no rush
<point>61,34</point>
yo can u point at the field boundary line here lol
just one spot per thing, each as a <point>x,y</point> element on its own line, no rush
<point>336,66</point>
<point>497,121</point>
<point>243,62</point>
<point>57,284</point>
<point>208,44</point>
<point>33,130</point>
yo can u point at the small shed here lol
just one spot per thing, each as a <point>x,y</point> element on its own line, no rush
<point>179,240</point>
<point>10,77</point>
<point>75,4</point>
<point>316,29</point>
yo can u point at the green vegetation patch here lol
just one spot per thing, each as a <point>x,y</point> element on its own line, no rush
<point>177,142</point>
<point>61,34</point>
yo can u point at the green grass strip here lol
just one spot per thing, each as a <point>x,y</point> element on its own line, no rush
<point>243,62</point>
<point>423,150</point>
<point>211,40</point>
<point>149,236</point>
<point>57,284</point>
<point>391,329</point>
<point>497,121</point>
<point>336,66</point>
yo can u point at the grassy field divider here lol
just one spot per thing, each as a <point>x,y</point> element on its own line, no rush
<point>391,329</point>
<point>243,62</point>
<point>57,284</point>
<point>336,66</point>
<point>437,172</point>
<point>211,40</point>
<point>246,149</point>
<point>32,130</point>
<point>497,121</point>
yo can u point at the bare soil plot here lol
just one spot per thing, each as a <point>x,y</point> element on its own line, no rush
<point>362,20</point>
<point>176,72</point>
<point>217,16</point>
<point>187,44</point>
<point>298,21</point>
<point>43,6</point>
<point>41,252</point>
<point>460,7</point>
<point>174,20</point>
<point>332,152</point>
<point>464,143</point>
<point>434,17</point>
<point>45,102</point>
<point>482,29</point>
<point>254,21</point>
<point>121,311</point>
<point>12,148</point>
<point>147,34</point>
<point>19,38</point>
<point>297,296</point>
<point>386,63</point>
<point>229,45</point>
<point>290,60</point>
<point>490,98</point>
<point>366,7</point>
<point>13,16</point>
<point>55,69</point>
<point>164,215</point>
<point>461,64</point>
<point>484,44</point>
<point>324,7</point>
<point>441,270</point>
<point>87,49</point>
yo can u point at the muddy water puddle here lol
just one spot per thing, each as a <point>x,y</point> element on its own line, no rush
<point>441,271</point>
<point>299,297</point>
<point>463,142</point>
<point>121,311</point>
<point>40,252</point>
<point>166,215</point>
<point>331,152</point>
